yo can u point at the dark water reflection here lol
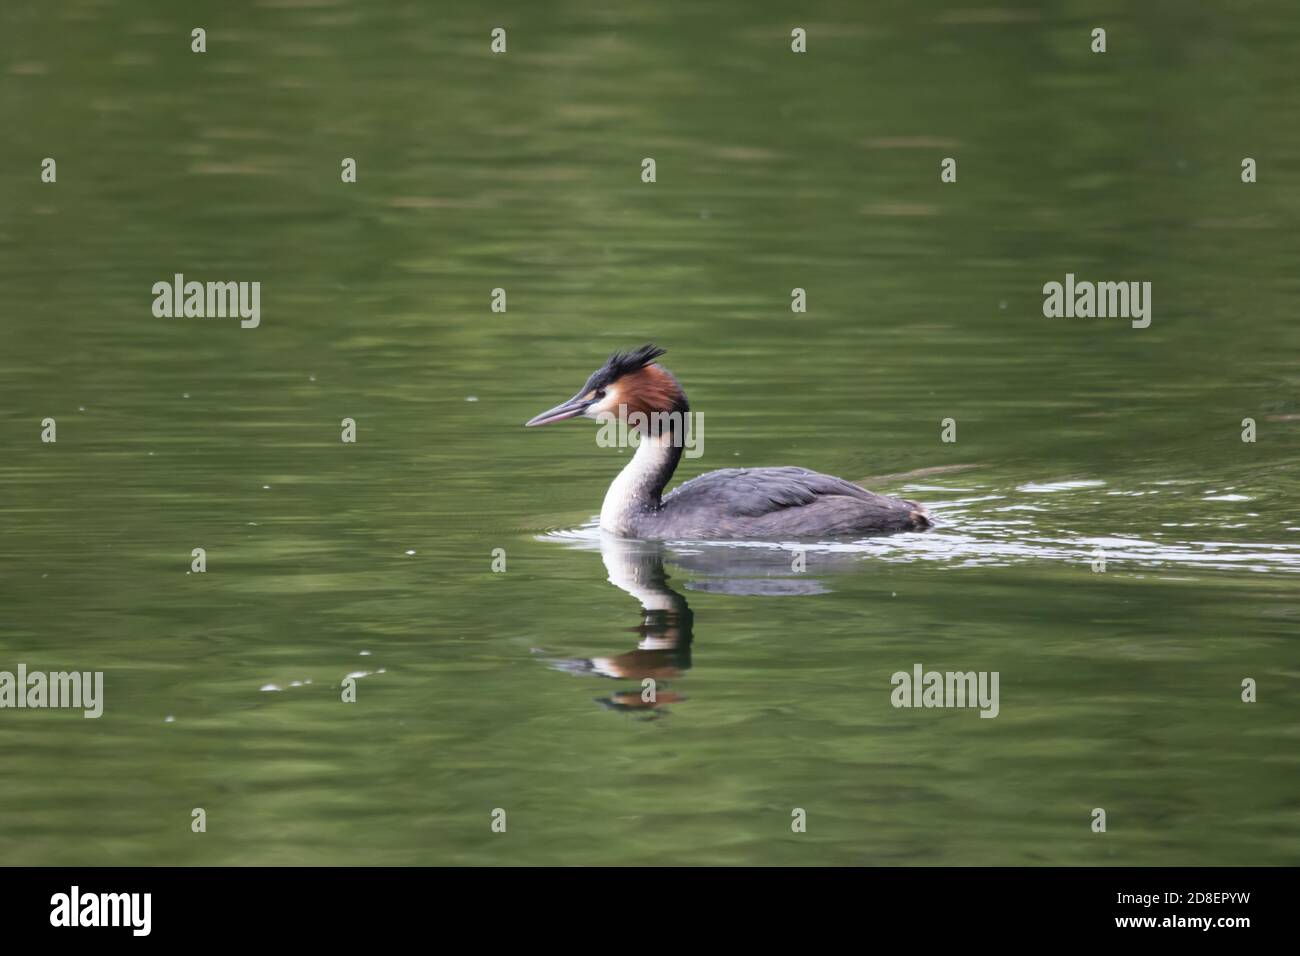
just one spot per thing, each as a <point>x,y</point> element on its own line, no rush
<point>667,629</point>
<point>663,646</point>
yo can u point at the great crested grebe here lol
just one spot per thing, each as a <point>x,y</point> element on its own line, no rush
<point>730,503</point>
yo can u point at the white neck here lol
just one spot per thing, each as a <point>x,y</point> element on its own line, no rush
<point>636,489</point>
<point>638,571</point>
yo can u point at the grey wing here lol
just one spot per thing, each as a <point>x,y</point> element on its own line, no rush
<point>792,500</point>
<point>756,491</point>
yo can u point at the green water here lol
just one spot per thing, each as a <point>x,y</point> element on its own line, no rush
<point>1119,690</point>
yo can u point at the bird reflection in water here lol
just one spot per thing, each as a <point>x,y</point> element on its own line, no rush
<point>663,649</point>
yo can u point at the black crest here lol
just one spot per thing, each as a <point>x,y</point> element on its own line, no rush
<point>622,363</point>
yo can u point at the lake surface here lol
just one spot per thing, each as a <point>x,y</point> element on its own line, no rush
<point>477,690</point>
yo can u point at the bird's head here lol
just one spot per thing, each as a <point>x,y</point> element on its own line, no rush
<point>628,382</point>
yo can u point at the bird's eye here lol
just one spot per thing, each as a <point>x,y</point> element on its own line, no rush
<point>600,393</point>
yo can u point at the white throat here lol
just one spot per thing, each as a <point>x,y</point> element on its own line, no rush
<point>634,491</point>
<point>637,571</point>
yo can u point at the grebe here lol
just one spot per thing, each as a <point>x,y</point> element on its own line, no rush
<point>730,503</point>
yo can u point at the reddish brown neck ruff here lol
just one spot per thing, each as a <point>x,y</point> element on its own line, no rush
<point>649,390</point>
